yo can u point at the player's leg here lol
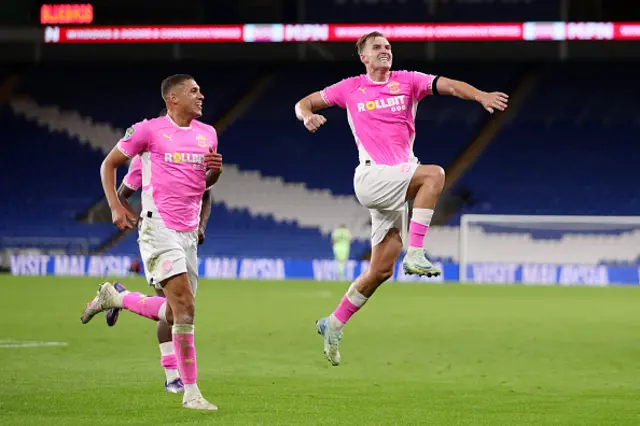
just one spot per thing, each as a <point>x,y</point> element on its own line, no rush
<point>382,189</point>
<point>181,299</point>
<point>341,255</point>
<point>113,314</point>
<point>177,309</point>
<point>425,189</point>
<point>157,245</point>
<point>387,246</point>
<point>183,330</point>
<point>154,307</point>
<point>168,359</point>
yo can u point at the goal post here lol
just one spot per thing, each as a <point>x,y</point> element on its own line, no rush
<point>527,244</point>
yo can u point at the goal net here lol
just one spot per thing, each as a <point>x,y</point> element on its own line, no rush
<point>566,250</point>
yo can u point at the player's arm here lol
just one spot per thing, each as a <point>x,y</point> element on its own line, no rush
<point>124,193</point>
<point>205,212</point>
<point>213,176</point>
<point>131,183</point>
<point>213,163</point>
<point>491,101</point>
<point>309,104</point>
<point>122,217</point>
<point>305,111</point>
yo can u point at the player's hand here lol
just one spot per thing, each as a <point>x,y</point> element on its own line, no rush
<point>123,218</point>
<point>213,160</point>
<point>313,122</point>
<point>494,101</point>
<point>200,236</point>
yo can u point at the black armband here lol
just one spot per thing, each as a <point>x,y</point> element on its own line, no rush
<point>434,86</point>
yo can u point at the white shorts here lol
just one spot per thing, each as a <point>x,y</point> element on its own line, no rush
<point>165,252</point>
<point>383,190</point>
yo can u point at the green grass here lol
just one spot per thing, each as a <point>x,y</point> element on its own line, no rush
<point>417,354</point>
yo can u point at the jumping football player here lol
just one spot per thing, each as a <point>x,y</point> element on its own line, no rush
<point>381,106</point>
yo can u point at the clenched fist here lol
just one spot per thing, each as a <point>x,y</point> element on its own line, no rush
<point>313,122</point>
<point>213,160</point>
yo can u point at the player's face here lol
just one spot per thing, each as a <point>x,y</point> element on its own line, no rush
<point>377,53</point>
<point>190,98</point>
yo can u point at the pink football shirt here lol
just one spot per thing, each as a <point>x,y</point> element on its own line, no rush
<point>133,178</point>
<point>173,170</point>
<point>382,115</point>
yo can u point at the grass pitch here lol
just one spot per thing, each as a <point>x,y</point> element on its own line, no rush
<point>415,355</point>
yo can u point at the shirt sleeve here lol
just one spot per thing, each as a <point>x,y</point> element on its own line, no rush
<point>422,84</point>
<point>136,139</point>
<point>336,94</point>
<point>133,178</point>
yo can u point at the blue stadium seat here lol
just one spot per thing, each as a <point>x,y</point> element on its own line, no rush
<point>566,152</point>
<point>46,181</point>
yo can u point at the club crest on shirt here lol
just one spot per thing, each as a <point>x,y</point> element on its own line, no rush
<point>201,141</point>
<point>130,131</point>
<point>394,87</point>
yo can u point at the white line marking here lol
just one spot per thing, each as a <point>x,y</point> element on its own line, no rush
<point>23,344</point>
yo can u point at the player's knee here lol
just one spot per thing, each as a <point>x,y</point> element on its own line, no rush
<point>436,177</point>
<point>180,298</point>
<point>382,274</point>
<point>184,309</point>
<point>432,176</point>
<point>440,175</point>
<point>183,305</point>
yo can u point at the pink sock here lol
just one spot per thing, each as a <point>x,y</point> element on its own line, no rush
<point>185,349</point>
<point>345,310</point>
<point>417,231</point>
<point>351,303</point>
<point>170,362</point>
<point>142,305</point>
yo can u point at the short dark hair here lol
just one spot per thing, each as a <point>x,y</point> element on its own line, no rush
<point>362,41</point>
<point>171,82</point>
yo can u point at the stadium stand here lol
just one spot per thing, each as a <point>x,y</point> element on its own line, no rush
<point>565,153</point>
<point>37,209</point>
<point>288,189</point>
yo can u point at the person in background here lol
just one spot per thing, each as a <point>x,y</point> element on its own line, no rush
<point>341,240</point>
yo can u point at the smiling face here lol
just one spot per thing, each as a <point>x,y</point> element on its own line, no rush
<point>188,98</point>
<point>376,54</point>
<point>182,95</point>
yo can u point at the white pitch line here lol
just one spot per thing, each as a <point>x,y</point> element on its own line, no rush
<point>24,344</point>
